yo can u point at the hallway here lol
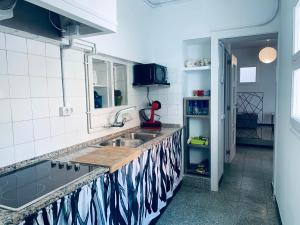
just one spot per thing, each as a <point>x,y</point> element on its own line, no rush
<point>245,196</point>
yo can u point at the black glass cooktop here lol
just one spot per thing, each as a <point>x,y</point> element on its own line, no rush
<point>21,187</point>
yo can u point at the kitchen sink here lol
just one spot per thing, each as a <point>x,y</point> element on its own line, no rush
<point>132,140</point>
<point>122,142</point>
<point>140,136</point>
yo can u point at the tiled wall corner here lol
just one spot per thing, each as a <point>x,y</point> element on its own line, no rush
<point>31,94</point>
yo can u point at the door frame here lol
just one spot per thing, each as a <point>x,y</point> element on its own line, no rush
<point>217,142</point>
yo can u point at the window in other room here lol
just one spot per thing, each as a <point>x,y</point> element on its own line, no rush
<point>248,75</point>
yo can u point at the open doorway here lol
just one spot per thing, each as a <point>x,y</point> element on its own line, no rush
<point>249,107</point>
<point>250,93</point>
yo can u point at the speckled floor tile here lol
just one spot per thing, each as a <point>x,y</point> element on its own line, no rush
<point>245,196</point>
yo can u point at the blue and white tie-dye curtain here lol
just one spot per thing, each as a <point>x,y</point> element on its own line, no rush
<point>134,194</point>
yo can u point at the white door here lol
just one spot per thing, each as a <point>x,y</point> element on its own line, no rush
<point>233,108</point>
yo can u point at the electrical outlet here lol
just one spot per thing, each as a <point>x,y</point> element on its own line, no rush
<point>65,111</point>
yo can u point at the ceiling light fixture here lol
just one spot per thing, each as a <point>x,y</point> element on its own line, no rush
<point>268,54</point>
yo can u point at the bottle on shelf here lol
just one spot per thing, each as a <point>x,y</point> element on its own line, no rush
<point>195,108</point>
<point>190,108</point>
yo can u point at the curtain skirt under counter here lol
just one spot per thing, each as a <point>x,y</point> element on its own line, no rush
<point>134,194</point>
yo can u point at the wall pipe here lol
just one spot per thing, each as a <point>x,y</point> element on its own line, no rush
<point>72,44</point>
<point>269,20</point>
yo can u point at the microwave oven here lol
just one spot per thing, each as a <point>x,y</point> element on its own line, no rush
<point>149,74</point>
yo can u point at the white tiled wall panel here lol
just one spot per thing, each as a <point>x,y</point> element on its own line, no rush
<point>54,104</point>
<point>23,132</point>
<point>53,67</point>
<point>5,111</point>
<point>57,125</point>
<point>36,47</point>
<point>4,87</point>
<point>2,41</point>
<point>21,109</point>
<point>52,51</point>
<point>7,156</point>
<point>40,108</point>
<point>41,128</point>
<point>42,146</point>
<point>24,151</point>
<point>37,65</point>
<point>38,87</point>
<point>17,63</point>
<point>6,135</point>
<point>54,87</point>
<point>15,43</point>
<point>31,94</point>
<point>19,87</point>
<point>3,62</point>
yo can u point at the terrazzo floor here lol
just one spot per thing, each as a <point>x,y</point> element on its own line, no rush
<point>245,196</point>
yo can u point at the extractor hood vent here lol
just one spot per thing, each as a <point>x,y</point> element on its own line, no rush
<point>40,21</point>
<point>6,9</point>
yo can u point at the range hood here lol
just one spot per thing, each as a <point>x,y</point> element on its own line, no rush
<point>43,18</point>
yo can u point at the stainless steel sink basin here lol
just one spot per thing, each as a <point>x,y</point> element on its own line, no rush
<point>122,142</point>
<point>140,136</point>
<point>132,140</point>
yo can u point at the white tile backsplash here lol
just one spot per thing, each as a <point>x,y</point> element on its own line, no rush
<point>58,142</point>
<point>37,65</point>
<point>5,111</point>
<point>4,87</point>
<point>19,87</point>
<point>54,104</point>
<point>78,104</point>
<point>24,151</point>
<point>2,41</point>
<point>17,63</point>
<point>52,50</point>
<point>53,67</point>
<point>57,126</point>
<point>54,87</point>
<point>15,43</point>
<point>40,108</point>
<point>41,128</point>
<point>36,47</point>
<point>42,146</point>
<point>21,109</point>
<point>74,88</point>
<point>74,70</point>
<point>73,55</point>
<point>30,124</point>
<point>38,87</point>
<point>23,132</point>
<point>3,62</point>
<point>7,156</point>
<point>6,135</point>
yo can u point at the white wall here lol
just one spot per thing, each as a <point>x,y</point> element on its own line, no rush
<point>31,90</point>
<point>134,33</point>
<point>265,75</point>
<point>195,19</point>
<point>31,94</point>
<point>287,143</point>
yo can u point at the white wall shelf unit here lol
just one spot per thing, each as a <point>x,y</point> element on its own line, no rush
<point>197,78</point>
<point>196,154</point>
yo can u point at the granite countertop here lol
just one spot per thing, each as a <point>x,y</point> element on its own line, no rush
<point>8,217</point>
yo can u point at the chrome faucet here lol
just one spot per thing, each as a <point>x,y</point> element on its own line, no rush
<point>122,123</point>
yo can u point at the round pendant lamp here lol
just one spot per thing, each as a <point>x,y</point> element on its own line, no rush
<point>268,54</point>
